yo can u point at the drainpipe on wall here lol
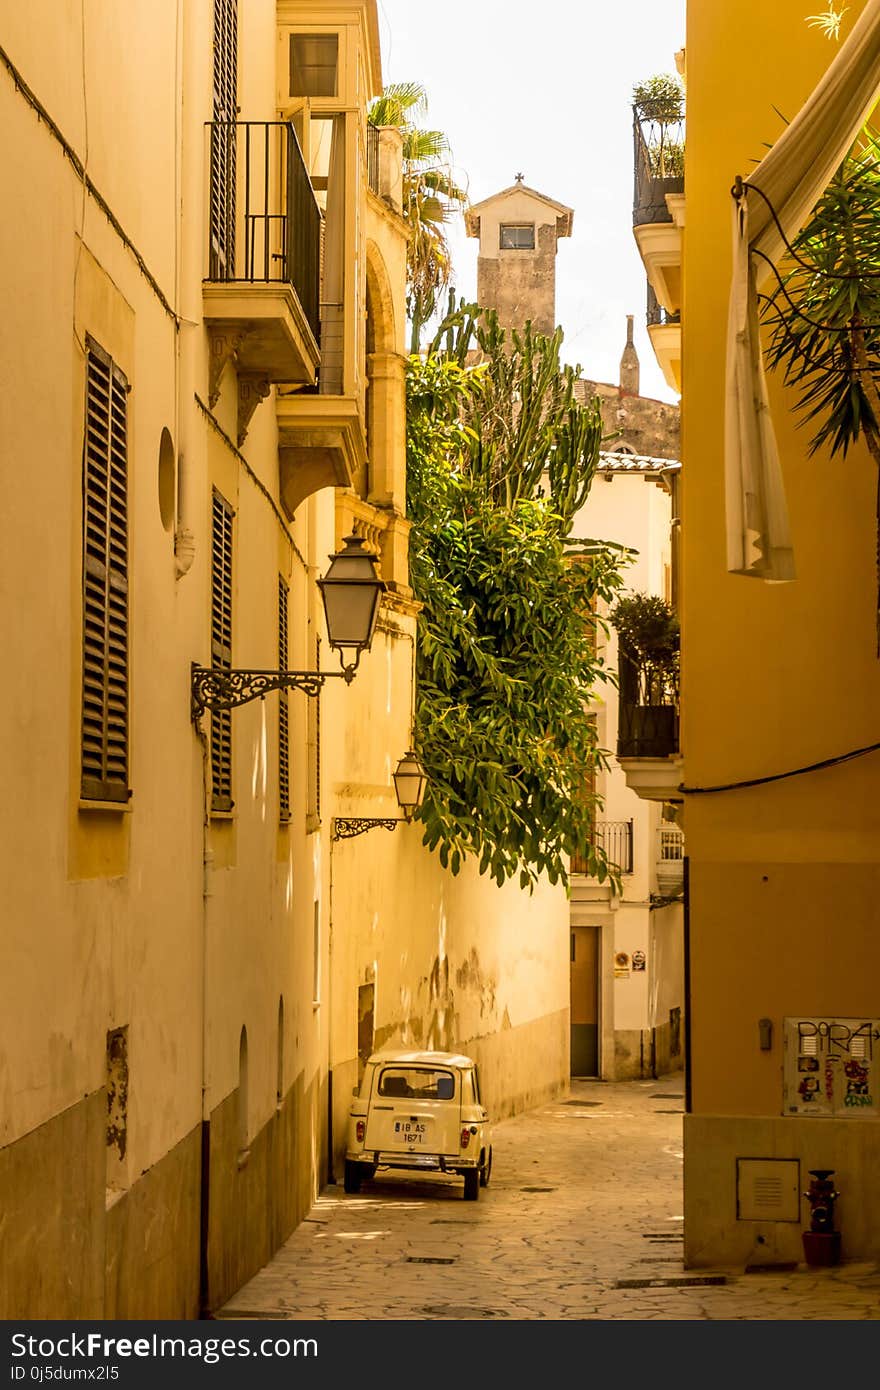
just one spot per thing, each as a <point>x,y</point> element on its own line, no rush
<point>331,1173</point>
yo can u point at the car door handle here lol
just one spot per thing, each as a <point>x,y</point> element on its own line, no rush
<point>383,1107</point>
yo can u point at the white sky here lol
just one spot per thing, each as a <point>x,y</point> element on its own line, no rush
<point>545,89</point>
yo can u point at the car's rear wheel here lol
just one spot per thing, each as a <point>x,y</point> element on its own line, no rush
<point>471,1184</point>
<point>486,1170</point>
<point>352,1179</point>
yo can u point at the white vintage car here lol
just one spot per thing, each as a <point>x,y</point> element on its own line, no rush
<point>419,1110</point>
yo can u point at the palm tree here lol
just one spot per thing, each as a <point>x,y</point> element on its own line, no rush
<point>430,198</point>
<point>824,314</point>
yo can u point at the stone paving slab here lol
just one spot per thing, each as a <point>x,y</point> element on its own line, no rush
<point>584,1200</point>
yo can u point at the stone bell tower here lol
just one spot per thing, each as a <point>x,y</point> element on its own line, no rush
<point>629,363</point>
<point>518,230</point>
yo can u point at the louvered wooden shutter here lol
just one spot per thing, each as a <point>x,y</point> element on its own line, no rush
<point>223,133</point>
<point>283,708</point>
<point>105,582</point>
<point>221,649</point>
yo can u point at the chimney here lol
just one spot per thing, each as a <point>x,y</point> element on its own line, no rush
<point>629,363</point>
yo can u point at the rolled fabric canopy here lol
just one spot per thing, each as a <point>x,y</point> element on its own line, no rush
<point>792,176</point>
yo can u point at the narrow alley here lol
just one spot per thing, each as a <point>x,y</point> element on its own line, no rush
<point>582,1219</point>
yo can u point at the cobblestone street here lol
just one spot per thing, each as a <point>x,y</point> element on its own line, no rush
<point>582,1219</point>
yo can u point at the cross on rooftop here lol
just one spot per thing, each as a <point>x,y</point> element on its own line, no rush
<point>519,178</point>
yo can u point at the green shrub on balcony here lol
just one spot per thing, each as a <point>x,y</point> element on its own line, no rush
<point>649,639</point>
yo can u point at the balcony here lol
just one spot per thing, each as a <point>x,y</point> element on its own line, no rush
<point>658,144</point>
<point>669,862</point>
<point>658,202</point>
<point>664,330</point>
<point>615,837</point>
<point>647,730</point>
<point>261,288</point>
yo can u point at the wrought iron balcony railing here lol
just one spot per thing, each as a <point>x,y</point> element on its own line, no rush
<point>373,156</point>
<point>647,731</point>
<point>615,837</point>
<point>647,718</point>
<point>656,314</point>
<point>264,224</point>
<point>669,862</point>
<point>658,162</point>
<point>670,844</point>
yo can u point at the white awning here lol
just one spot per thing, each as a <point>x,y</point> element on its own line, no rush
<point>792,176</point>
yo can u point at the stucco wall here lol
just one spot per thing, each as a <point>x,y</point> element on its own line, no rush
<point>784,899</point>
<point>457,963</point>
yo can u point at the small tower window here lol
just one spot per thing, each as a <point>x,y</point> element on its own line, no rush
<point>517,236</point>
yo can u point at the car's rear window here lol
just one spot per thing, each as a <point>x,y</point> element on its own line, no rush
<point>416,1083</point>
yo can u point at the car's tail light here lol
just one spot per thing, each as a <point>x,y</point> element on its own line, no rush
<point>360,1130</point>
<point>465,1138</point>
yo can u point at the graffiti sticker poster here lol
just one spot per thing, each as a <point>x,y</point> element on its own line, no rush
<point>832,1067</point>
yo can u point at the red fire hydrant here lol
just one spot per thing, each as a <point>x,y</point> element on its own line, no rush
<point>821,1241</point>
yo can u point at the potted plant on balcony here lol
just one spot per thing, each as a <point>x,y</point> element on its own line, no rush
<point>658,105</point>
<point>649,640</point>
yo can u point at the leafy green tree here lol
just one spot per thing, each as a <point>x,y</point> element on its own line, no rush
<point>500,456</point>
<point>431,197</point>
<point>824,314</point>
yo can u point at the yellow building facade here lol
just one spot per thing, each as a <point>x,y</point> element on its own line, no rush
<point>784,877</point>
<point>203,293</point>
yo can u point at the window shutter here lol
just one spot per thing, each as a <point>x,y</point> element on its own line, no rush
<point>283,708</point>
<point>223,131</point>
<point>105,582</point>
<point>221,650</point>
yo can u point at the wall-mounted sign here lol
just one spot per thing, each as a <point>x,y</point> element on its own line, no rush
<point>638,960</point>
<point>832,1067</point>
<point>621,965</point>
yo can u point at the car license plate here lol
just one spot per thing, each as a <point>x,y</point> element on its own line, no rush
<point>410,1131</point>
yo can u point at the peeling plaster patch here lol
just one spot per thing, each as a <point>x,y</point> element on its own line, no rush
<point>385,1035</point>
<point>441,1033</point>
<point>469,976</point>
<point>117,1090</point>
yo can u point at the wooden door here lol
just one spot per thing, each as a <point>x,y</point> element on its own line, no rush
<point>585,1001</point>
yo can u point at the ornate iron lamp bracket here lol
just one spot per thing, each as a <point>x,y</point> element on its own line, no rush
<point>214,688</point>
<point>344,827</point>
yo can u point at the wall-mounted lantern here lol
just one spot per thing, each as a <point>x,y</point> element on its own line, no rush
<point>351,590</point>
<point>410,780</point>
